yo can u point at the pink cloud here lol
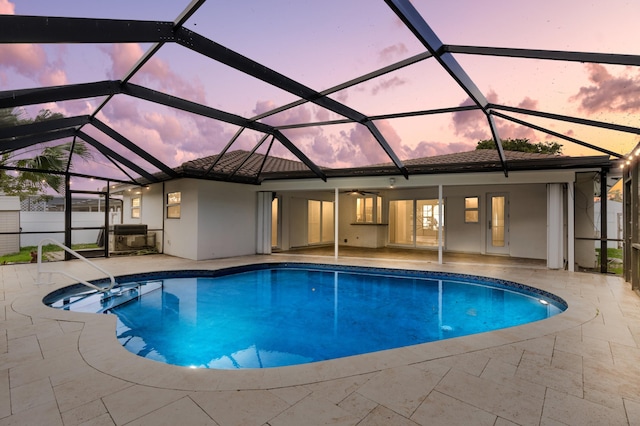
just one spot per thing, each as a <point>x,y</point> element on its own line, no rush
<point>391,53</point>
<point>7,8</point>
<point>299,114</point>
<point>471,125</point>
<point>365,149</point>
<point>168,126</point>
<point>123,116</point>
<point>156,73</point>
<point>26,59</point>
<point>528,103</point>
<point>474,126</point>
<point>609,93</point>
<point>123,56</point>
<point>53,77</point>
<point>387,84</point>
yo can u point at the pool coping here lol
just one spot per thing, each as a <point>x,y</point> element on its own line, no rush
<point>100,348</point>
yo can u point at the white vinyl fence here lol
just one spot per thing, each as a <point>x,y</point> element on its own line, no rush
<point>47,222</point>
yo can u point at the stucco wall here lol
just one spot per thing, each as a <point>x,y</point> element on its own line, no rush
<point>227,223</point>
<point>528,221</point>
<point>217,219</point>
<point>181,235</point>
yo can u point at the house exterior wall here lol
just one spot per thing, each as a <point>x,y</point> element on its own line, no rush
<point>226,225</point>
<point>181,234</point>
<point>527,217</point>
<point>527,226</point>
<point>218,219</point>
<point>298,221</point>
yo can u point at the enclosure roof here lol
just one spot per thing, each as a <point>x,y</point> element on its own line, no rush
<point>244,166</point>
<point>157,90</point>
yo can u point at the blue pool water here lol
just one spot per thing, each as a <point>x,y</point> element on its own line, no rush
<point>285,314</point>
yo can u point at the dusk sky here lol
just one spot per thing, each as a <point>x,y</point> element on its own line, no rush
<point>324,43</point>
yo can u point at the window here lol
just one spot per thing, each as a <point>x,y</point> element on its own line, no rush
<point>471,210</point>
<point>173,205</point>
<point>135,207</point>
<point>369,209</point>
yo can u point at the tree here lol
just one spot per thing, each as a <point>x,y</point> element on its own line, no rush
<point>523,145</point>
<point>37,157</point>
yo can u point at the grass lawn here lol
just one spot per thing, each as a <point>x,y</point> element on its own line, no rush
<point>24,255</point>
<point>612,267</point>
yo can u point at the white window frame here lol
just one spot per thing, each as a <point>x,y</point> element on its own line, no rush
<point>361,209</point>
<point>136,210</point>
<point>170,209</point>
<point>472,209</point>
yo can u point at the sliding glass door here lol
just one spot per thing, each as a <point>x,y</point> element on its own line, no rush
<point>415,222</point>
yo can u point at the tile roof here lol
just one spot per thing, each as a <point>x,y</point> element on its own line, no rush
<point>249,167</point>
<point>478,156</point>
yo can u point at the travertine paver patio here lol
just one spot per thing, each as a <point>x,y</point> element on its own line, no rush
<point>579,368</point>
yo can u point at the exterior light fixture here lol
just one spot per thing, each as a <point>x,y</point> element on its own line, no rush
<point>392,182</point>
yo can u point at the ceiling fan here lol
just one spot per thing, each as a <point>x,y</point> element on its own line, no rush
<point>359,192</point>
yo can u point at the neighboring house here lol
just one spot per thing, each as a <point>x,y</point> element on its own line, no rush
<point>457,203</point>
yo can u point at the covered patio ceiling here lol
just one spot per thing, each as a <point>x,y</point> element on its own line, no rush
<point>333,85</point>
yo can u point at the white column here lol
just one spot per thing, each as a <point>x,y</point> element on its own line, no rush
<point>264,223</point>
<point>441,216</point>
<point>555,228</point>
<point>336,220</point>
<point>571,225</point>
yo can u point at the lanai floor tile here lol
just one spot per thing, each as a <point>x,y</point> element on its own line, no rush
<point>578,368</point>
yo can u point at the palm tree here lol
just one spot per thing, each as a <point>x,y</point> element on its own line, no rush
<point>52,158</point>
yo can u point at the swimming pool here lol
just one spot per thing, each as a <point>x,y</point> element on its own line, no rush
<point>271,315</point>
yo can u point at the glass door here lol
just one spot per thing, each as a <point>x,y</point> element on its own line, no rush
<point>415,223</point>
<point>498,224</point>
